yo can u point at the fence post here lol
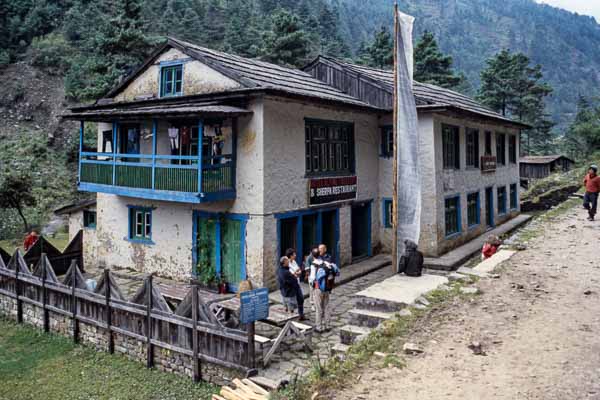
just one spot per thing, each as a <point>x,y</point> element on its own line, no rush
<point>74,302</point>
<point>18,296</point>
<point>251,347</point>
<point>46,317</point>
<point>111,340</point>
<point>150,349</point>
<point>195,359</point>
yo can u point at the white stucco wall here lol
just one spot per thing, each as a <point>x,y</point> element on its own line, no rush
<point>197,78</point>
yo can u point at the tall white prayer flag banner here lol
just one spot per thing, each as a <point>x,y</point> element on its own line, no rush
<point>408,185</point>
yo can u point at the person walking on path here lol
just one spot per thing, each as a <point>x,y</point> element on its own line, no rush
<point>298,272</point>
<point>592,188</point>
<point>324,282</point>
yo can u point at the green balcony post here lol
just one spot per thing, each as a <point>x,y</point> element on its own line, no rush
<point>200,140</point>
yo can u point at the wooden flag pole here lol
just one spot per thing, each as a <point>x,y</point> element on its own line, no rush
<point>395,147</point>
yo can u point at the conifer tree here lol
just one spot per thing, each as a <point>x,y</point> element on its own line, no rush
<point>432,66</point>
<point>380,53</point>
<point>514,88</point>
<point>286,43</point>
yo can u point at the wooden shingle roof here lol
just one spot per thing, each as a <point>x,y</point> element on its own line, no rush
<point>427,96</point>
<point>542,159</point>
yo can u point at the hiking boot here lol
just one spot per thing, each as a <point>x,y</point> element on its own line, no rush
<point>590,218</point>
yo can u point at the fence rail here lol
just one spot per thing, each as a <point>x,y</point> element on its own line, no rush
<point>146,317</point>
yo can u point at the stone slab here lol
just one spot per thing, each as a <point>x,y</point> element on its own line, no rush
<point>472,272</point>
<point>401,289</point>
<point>454,258</point>
<point>488,265</point>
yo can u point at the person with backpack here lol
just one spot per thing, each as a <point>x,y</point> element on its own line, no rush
<point>310,267</point>
<point>411,263</point>
<point>324,282</point>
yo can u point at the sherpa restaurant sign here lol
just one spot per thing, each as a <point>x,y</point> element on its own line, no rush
<point>330,190</point>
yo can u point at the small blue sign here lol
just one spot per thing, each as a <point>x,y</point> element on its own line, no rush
<point>254,305</point>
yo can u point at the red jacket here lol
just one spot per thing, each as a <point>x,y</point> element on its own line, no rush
<point>30,241</point>
<point>592,183</point>
<point>489,250</point>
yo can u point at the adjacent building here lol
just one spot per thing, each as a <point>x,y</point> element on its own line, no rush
<point>538,167</point>
<point>210,163</point>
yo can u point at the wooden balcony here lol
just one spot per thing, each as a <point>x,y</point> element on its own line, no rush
<point>170,178</point>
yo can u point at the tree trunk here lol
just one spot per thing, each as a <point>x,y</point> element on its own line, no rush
<point>25,224</point>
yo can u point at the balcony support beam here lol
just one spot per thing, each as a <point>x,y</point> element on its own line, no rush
<point>200,141</point>
<point>81,132</point>
<point>115,127</point>
<point>154,133</point>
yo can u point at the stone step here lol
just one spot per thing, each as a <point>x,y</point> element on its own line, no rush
<point>378,305</point>
<point>340,349</point>
<point>350,333</point>
<point>368,318</point>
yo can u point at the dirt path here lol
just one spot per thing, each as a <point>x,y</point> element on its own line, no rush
<point>539,328</point>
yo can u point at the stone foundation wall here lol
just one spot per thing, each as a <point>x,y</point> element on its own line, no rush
<point>96,338</point>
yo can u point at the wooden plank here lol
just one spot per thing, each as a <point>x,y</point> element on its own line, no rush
<point>275,346</point>
<point>196,367</point>
<point>230,394</point>
<point>255,387</point>
<point>150,348</point>
<point>251,349</point>
<point>107,308</point>
<point>74,322</point>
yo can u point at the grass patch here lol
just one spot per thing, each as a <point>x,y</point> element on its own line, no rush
<point>60,240</point>
<point>533,230</point>
<point>34,365</point>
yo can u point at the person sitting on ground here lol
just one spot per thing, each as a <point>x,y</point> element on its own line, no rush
<point>411,262</point>
<point>288,285</point>
<point>30,239</point>
<point>490,247</point>
<point>324,283</point>
<point>298,272</point>
<point>592,188</point>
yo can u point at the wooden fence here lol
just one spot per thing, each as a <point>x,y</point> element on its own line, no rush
<point>191,329</point>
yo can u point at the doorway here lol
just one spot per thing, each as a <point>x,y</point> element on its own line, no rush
<point>361,230</point>
<point>489,207</point>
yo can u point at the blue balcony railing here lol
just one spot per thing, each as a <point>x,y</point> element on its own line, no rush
<point>174,178</point>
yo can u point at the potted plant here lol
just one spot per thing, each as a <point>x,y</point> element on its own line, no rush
<point>222,285</point>
<point>208,278</point>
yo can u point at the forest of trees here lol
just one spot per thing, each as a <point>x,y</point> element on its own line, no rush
<point>94,43</point>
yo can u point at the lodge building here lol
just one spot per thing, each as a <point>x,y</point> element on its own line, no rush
<point>210,163</point>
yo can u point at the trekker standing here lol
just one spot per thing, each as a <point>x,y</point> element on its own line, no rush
<point>288,285</point>
<point>30,240</point>
<point>592,188</point>
<point>323,283</point>
<point>310,267</point>
<point>298,272</point>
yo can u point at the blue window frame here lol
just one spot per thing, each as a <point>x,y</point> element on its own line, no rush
<point>514,196</point>
<point>387,141</point>
<point>89,219</point>
<point>501,200</point>
<point>387,206</point>
<point>171,80</point>
<point>473,209</point>
<point>140,224</point>
<point>452,215</point>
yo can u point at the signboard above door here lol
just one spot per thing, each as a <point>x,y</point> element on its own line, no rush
<point>331,190</point>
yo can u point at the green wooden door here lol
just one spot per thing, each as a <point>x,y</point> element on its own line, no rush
<point>206,247</point>
<point>231,252</point>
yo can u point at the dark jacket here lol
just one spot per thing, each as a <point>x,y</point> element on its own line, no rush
<point>288,283</point>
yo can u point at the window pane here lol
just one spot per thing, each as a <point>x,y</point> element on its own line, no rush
<point>148,221</point>
<point>328,147</point>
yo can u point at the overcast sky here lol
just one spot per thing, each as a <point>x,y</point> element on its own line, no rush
<point>586,7</point>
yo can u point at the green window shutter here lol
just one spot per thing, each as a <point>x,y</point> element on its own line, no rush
<point>231,251</point>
